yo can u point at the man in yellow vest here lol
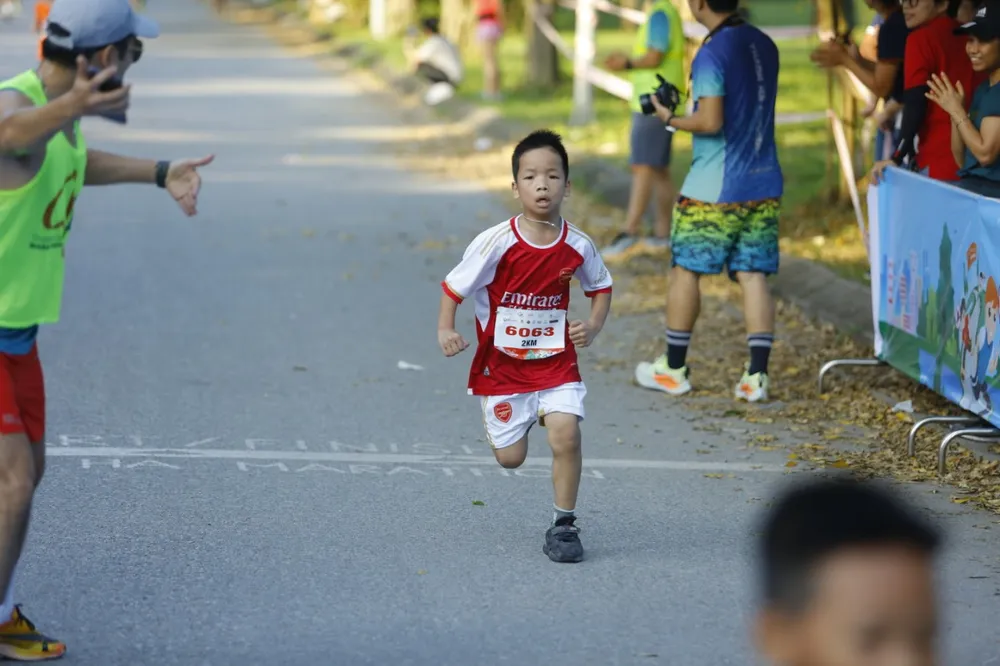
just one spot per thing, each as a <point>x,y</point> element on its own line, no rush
<point>658,49</point>
<point>44,163</point>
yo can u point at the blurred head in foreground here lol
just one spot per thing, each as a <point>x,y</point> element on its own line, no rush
<point>848,579</point>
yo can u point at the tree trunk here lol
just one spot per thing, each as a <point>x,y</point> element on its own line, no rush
<point>458,22</point>
<point>400,14</point>
<point>543,59</point>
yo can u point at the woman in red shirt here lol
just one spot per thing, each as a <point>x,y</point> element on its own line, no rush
<point>489,17</point>
<point>931,48</point>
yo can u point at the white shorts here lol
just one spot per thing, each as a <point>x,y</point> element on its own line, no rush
<point>509,417</point>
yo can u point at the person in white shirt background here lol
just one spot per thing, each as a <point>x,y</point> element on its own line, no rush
<point>10,9</point>
<point>437,61</point>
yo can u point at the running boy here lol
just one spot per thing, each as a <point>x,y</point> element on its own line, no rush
<point>525,368</point>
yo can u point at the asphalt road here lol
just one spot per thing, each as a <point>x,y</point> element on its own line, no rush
<point>242,474</point>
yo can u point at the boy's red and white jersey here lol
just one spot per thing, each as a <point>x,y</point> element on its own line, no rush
<point>521,295</point>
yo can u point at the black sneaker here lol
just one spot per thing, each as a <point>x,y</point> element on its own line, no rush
<point>562,541</point>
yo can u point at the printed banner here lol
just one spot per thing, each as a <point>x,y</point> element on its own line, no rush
<point>872,245</point>
<point>937,256</point>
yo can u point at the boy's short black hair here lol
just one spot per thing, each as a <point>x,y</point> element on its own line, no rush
<point>540,139</point>
<point>723,6</point>
<point>431,24</point>
<point>67,57</point>
<point>814,521</point>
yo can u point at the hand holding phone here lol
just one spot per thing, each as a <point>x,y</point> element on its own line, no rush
<point>109,84</point>
<point>99,92</point>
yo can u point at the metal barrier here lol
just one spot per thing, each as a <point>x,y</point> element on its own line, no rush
<point>989,434</point>
<point>838,362</point>
<point>911,439</point>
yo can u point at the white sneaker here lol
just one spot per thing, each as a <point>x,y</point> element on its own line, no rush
<point>438,93</point>
<point>752,388</point>
<point>658,376</point>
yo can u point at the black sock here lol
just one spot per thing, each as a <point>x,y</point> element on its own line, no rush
<point>677,348</point>
<point>760,351</point>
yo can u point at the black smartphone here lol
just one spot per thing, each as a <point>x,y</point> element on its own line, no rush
<point>113,83</point>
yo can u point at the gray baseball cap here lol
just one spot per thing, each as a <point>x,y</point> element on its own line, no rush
<point>78,25</point>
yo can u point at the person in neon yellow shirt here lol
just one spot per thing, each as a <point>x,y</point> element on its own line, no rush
<point>44,164</point>
<point>658,50</point>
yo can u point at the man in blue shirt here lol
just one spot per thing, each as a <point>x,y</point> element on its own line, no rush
<point>727,214</point>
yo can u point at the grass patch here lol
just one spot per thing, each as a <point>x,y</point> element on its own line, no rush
<point>773,13</point>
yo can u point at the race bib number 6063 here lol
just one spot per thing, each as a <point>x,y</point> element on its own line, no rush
<point>530,334</point>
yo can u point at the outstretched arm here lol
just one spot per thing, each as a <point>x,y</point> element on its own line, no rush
<point>110,169</point>
<point>180,177</point>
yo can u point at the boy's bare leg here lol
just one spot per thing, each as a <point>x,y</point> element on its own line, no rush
<point>567,458</point>
<point>512,457</point>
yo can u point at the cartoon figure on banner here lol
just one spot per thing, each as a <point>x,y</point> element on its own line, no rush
<point>987,351</point>
<point>976,322</point>
<point>967,327</point>
<point>964,335</point>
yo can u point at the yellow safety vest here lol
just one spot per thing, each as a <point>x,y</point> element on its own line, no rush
<point>34,222</point>
<point>672,68</point>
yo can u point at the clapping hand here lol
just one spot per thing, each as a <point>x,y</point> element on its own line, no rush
<point>949,96</point>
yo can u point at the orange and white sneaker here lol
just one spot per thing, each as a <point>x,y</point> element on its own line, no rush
<point>20,641</point>
<point>658,376</point>
<point>752,388</point>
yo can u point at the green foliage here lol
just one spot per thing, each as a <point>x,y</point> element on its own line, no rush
<point>427,8</point>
